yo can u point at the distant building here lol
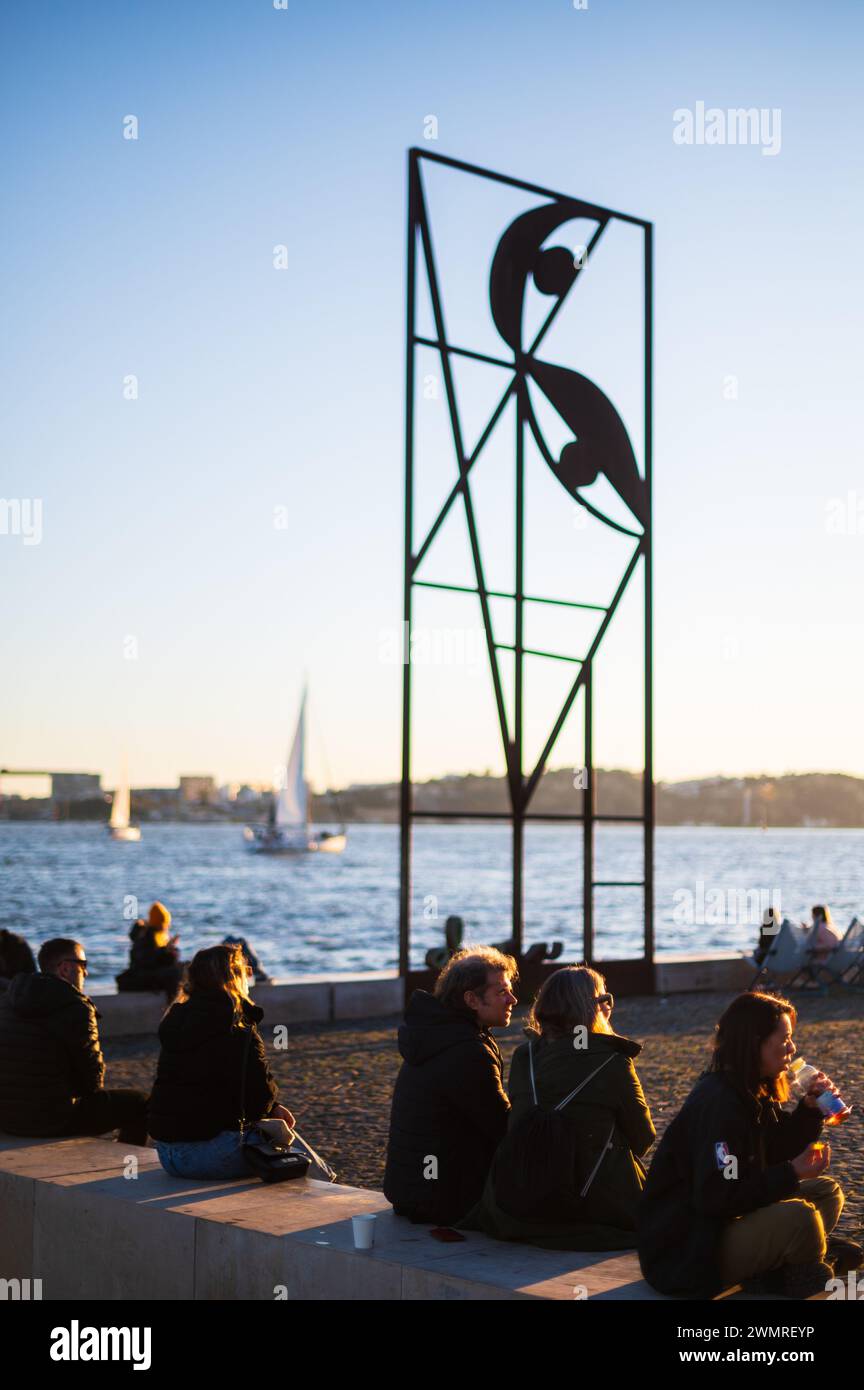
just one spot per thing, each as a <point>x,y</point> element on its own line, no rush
<point>198,789</point>
<point>73,786</point>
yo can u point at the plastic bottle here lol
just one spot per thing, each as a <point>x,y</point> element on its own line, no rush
<point>833,1107</point>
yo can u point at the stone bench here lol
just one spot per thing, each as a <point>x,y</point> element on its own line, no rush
<point>73,1220</point>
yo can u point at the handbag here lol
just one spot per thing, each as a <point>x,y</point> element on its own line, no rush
<point>269,1157</point>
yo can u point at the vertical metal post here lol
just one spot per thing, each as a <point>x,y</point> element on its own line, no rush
<point>588,810</point>
<point>405,799</point>
<point>648,778</point>
<point>517,791</point>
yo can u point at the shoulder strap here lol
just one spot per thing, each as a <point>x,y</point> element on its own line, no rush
<point>575,1091</point>
<point>245,1068</point>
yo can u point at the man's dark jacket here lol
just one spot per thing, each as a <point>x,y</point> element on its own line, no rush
<point>693,1191</point>
<point>199,1080</point>
<point>449,1112</point>
<point>49,1054</point>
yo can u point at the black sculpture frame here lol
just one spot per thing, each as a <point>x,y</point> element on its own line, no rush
<point>521,788</point>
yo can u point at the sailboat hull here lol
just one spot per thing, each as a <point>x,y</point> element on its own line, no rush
<point>265,839</point>
<point>124,832</point>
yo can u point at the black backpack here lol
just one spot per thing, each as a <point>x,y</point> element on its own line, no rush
<point>535,1163</point>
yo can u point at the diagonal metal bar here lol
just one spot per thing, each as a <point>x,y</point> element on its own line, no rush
<point>449,387</point>
<point>591,209</point>
<point>499,593</point>
<point>465,352</point>
<point>533,780</point>
<point>458,486</point>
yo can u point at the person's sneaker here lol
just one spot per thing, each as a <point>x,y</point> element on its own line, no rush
<point>844,1254</point>
<point>803,1281</point>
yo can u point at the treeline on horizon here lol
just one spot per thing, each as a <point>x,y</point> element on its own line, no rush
<point>795,799</point>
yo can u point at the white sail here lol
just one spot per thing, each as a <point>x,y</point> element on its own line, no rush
<point>291,799</point>
<point>120,808</point>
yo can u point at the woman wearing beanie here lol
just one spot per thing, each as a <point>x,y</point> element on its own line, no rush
<point>154,963</point>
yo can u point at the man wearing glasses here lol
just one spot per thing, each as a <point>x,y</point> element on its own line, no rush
<point>52,1071</point>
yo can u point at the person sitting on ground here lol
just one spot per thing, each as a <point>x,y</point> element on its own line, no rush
<point>568,1175</point>
<point>15,957</point>
<point>154,964</point>
<point>771,924</point>
<point>254,965</point>
<point>449,1109</point>
<point>212,1071</point>
<point>823,936</point>
<point>51,1068</point>
<point>738,1190</point>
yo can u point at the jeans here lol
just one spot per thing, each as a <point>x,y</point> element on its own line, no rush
<point>220,1157</point>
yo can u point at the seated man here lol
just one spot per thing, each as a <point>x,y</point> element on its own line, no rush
<point>449,1107</point>
<point>51,1065</point>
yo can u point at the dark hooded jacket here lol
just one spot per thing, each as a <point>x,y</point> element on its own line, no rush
<point>205,1054</point>
<point>449,1112</point>
<point>693,1189</point>
<point>609,1128</point>
<point>15,956</point>
<point>49,1054</point>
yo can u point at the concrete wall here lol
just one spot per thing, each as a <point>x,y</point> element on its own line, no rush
<point>305,999</point>
<point>370,994</point>
<point>92,1219</point>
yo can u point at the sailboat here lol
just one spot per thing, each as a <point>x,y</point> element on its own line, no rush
<point>118,826</point>
<point>288,830</point>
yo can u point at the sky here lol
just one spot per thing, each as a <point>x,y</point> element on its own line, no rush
<point>204,434</point>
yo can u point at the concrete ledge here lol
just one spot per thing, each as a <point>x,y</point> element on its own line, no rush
<point>90,1224</point>
<point>368,994</point>
<point>684,971</point>
<point>302,999</point>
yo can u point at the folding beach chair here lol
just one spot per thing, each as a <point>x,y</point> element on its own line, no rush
<point>846,963</point>
<point>785,956</point>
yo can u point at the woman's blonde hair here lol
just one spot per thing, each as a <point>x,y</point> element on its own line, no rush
<point>568,1000</point>
<point>215,968</point>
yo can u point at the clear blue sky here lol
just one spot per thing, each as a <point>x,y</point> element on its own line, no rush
<point>262,388</point>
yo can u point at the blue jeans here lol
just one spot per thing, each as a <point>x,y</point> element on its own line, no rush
<point>220,1157</point>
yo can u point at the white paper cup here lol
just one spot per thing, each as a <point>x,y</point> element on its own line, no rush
<point>364,1231</point>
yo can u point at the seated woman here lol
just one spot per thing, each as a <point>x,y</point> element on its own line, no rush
<point>154,963</point>
<point>738,1186</point>
<point>212,1071</point>
<point>823,935</point>
<point>567,1175</point>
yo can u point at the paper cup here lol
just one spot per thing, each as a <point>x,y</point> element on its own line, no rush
<point>364,1232</point>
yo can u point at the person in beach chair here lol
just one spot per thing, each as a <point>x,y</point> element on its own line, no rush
<point>738,1190</point>
<point>154,965</point>
<point>768,932</point>
<point>52,1072</point>
<point>449,1109</point>
<point>212,1074</point>
<point>568,1174</point>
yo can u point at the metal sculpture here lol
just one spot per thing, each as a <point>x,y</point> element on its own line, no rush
<point>600,445</point>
